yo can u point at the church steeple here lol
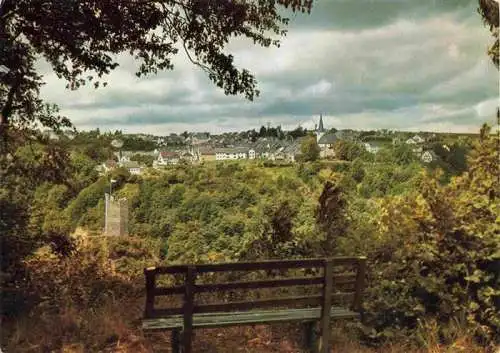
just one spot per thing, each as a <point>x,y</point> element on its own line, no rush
<point>321,128</point>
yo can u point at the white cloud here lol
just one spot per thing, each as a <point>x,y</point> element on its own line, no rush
<point>321,88</point>
<point>471,79</point>
<point>487,109</point>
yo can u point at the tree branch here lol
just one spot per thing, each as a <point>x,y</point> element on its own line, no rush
<point>183,38</point>
<point>7,108</point>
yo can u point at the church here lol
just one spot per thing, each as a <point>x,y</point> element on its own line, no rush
<point>325,140</point>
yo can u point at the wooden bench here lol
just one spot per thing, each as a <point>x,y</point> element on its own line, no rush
<point>329,277</point>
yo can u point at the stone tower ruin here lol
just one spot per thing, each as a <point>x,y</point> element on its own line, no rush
<point>116,218</point>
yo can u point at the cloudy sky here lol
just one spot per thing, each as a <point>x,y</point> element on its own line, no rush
<point>364,64</point>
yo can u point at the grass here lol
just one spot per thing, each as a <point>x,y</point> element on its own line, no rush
<point>115,328</point>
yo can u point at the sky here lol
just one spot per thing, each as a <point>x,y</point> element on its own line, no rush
<point>362,64</point>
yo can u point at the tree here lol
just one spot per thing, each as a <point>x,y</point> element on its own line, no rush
<point>400,154</point>
<point>309,149</point>
<point>331,216</point>
<point>80,40</point>
<point>453,159</point>
<point>252,135</point>
<point>262,131</point>
<point>349,151</point>
<point>83,170</point>
<point>143,159</point>
<point>298,132</point>
<point>438,251</point>
<point>357,170</point>
<point>489,10</point>
<point>403,154</point>
<point>135,143</point>
<point>272,132</point>
<point>24,165</point>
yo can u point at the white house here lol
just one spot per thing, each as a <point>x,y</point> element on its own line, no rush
<point>222,154</point>
<point>108,166</point>
<point>167,158</point>
<point>251,153</point>
<point>418,139</point>
<point>429,156</point>
<point>292,151</point>
<point>132,166</point>
<point>415,140</point>
<point>277,154</point>
<point>326,143</point>
<point>124,156</point>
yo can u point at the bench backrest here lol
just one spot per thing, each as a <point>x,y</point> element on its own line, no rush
<point>335,273</point>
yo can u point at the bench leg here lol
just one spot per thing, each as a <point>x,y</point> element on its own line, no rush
<point>175,341</point>
<point>324,342</point>
<point>310,336</point>
<point>187,340</point>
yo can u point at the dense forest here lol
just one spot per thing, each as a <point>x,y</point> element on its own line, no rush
<point>431,236</point>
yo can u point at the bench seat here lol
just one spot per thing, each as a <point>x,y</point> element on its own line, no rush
<point>245,318</point>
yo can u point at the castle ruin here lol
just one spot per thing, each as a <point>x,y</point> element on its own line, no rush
<point>116,218</point>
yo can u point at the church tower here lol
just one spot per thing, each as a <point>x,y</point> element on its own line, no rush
<point>320,126</point>
<point>320,130</point>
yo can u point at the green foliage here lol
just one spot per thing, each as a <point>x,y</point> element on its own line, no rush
<point>27,162</point>
<point>452,160</point>
<point>489,12</point>
<point>298,132</point>
<point>135,143</point>
<point>439,252</point>
<point>86,199</point>
<point>93,219</point>
<point>276,132</point>
<point>130,255</point>
<point>309,149</point>
<point>401,154</point>
<point>349,151</point>
<point>94,145</point>
<point>144,159</point>
<point>83,170</point>
<point>47,211</point>
<point>331,216</point>
<point>307,171</point>
<point>357,170</point>
<point>121,176</point>
<point>385,179</point>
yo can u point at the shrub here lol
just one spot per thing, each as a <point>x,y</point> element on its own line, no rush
<point>77,302</point>
<point>439,254</point>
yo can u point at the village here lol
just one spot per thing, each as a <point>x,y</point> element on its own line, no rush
<point>196,148</point>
